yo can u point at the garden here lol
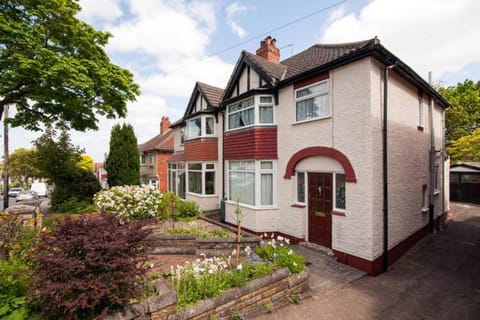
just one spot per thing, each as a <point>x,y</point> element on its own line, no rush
<point>129,254</point>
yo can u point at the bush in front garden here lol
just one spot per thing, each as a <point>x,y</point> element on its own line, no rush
<point>130,202</point>
<point>88,265</point>
<point>188,209</point>
<point>278,252</point>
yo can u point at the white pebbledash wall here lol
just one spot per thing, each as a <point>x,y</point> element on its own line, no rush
<point>355,129</point>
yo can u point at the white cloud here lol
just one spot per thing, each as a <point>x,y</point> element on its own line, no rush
<point>232,11</point>
<point>429,35</point>
<point>103,10</point>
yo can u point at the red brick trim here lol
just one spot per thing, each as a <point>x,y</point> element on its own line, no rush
<point>374,268</point>
<point>321,152</point>
<point>311,80</point>
<point>338,213</point>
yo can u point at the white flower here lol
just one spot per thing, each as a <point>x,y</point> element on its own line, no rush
<point>248,250</point>
<point>239,267</point>
<point>290,252</point>
<point>287,240</point>
<point>280,238</point>
<point>294,264</point>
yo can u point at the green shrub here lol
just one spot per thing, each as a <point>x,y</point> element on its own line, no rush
<point>217,233</point>
<point>188,209</point>
<point>78,184</point>
<point>73,205</point>
<point>278,252</point>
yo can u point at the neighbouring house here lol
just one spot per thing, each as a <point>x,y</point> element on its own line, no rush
<point>101,174</point>
<point>340,145</point>
<point>195,169</point>
<point>465,182</point>
<point>154,154</point>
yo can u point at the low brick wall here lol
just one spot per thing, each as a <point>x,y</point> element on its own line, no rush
<point>189,244</point>
<point>256,297</point>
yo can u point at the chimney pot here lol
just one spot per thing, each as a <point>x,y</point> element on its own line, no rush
<point>164,124</point>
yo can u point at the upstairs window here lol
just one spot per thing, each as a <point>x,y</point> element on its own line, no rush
<point>249,112</point>
<point>203,126</point>
<point>143,159</point>
<point>312,102</point>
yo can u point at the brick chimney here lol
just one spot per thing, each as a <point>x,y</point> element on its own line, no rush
<point>269,50</point>
<point>164,124</point>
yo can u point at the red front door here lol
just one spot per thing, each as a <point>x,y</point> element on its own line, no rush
<point>320,208</point>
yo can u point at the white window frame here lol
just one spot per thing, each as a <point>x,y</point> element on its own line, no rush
<point>314,95</point>
<point>203,170</point>
<point>256,111</point>
<point>304,202</point>
<point>203,129</point>
<point>258,171</point>
<point>334,192</point>
<point>179,167</point>
<point>151,159</point>
<point>143,159</point>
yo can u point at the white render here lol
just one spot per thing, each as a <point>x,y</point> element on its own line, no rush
<point>354,128</point>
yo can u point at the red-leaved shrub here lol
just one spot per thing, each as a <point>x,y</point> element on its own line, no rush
<point>88,266</point>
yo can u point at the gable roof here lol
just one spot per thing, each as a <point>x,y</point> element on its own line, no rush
<point>161,142</point>
<point>323,57</point>
<point>465,167</point>
<point>213,96</point>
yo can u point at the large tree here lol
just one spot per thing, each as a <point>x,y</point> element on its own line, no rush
<point>21,165</point>
<point>466,148</point>
<point>123,161</point>
<point>54,69</point>
<point>464,116</point>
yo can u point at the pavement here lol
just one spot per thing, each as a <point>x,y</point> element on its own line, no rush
<point>439,278</point>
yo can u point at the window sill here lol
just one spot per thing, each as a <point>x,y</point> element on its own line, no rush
<point>199,195</point>
<point>249,206</point>
<point>298,205</point>
<point>258,125</point>
<point>201,137</point>
<point>338,213</point>
<point>311,120</point>
<point>424,209</point>
<point>436,192</point>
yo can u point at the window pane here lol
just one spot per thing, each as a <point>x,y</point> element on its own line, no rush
<point>266,189</point>
<point>181,185</point>
<point>340,191</point>
<point>209,123</point>
<point>301,187</point>
<point>319,88</point>
<point>266,114</point>
<point>194,166</point>
<point>242,187</point>
<point>266,99</point>
<point>322,107</point>
<point>209,182</point>
<point>210,166</point>
<point>266,165</point>
<point>194,128</point>
<point>242,165</point>
<point>195,182</point>
<point>313,108</point>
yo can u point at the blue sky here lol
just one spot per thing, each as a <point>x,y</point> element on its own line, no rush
<point>168,45</point>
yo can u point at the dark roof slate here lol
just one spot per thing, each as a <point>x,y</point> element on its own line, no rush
<point>161,142</point>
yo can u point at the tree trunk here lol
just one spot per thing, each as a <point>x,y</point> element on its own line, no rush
<point>5,157</point>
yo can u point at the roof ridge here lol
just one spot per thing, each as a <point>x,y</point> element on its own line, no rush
<point>347,44</point>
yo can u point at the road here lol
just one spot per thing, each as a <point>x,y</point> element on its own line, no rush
<point>437,279</point>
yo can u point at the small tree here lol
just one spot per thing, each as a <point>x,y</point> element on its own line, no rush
<point>123,161</point>
<point>88,265</point>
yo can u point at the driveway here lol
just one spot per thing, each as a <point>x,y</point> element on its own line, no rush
<point>437,279</point>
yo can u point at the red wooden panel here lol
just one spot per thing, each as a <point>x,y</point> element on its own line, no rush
<point>251,143</point>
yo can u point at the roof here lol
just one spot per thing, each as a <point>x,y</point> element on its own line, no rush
<point>323,57</point>
<point>212,94</point>
<point>161,142</point>
<point>465,167</point>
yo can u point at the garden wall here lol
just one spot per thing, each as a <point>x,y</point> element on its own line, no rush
<point>256,297</point>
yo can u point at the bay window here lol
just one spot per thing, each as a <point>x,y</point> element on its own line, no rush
<point>251,182</point>
<point>312,102</point>
<point>251,111</point>
<point>201,178</point>
<point>203,126</point>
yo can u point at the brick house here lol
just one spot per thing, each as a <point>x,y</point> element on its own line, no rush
<point>340,145</point>
<point>154,154</point>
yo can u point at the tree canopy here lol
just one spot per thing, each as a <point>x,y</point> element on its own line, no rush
<point>464,116</point>
<point>123,161</point>
<point>466,148</point>
<point>86,163</point>
<point>54,69</point>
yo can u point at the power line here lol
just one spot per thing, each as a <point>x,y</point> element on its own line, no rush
<point>269,31</point>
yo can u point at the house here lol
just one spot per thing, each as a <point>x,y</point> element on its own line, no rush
<point>154,154</point>
<point>465,182</point>
<point>101,174</point>
<point>340,145</point>
<point>198,149</point>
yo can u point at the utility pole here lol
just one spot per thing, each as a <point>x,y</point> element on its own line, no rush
<point>5,157</point>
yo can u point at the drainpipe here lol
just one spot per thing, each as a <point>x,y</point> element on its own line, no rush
<point>431,162</point>
<point>222,202</point>
<point>385,166</point>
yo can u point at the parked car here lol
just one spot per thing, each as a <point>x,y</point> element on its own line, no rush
<point>27,195</point>
<point>40,188</point>
<point>13,192</point>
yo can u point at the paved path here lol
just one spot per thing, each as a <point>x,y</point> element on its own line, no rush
<point>437,279</point>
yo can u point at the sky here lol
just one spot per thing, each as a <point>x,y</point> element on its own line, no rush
<point>170,44</point>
